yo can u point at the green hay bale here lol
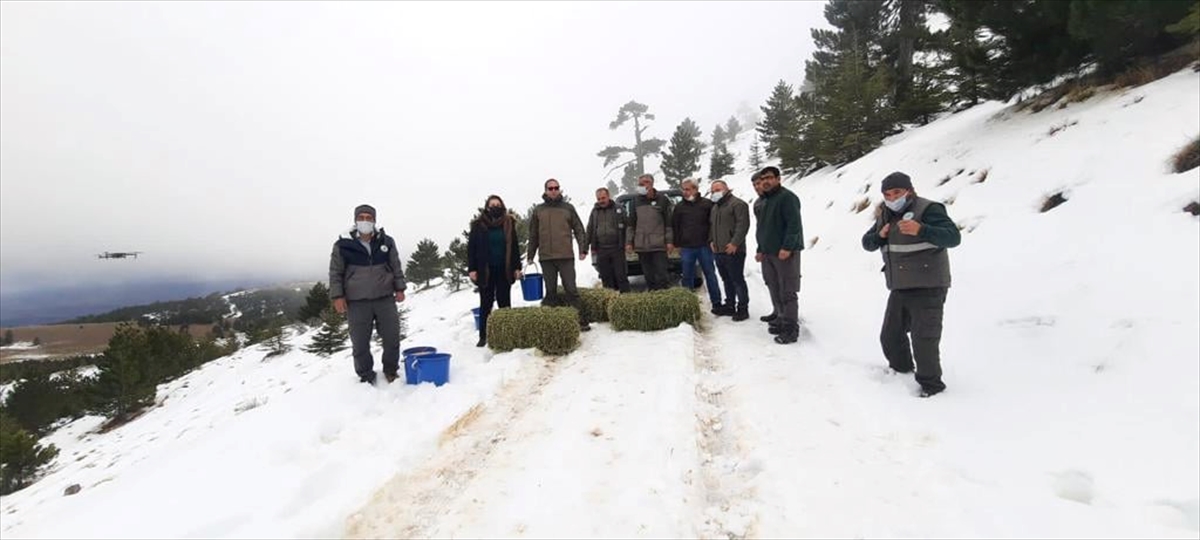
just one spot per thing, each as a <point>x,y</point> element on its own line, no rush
<point>552,330</point>
<point>595,302</point>
<point>656,310</point>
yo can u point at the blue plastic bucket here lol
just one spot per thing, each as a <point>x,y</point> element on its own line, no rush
<point>410,356</point>
<point>478,321</point>
<point>434,368</point>
<point>531,286</point>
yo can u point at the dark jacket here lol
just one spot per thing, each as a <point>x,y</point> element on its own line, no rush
<point>479,248</point>
<point>606,227</point>
<point>551,228</point>
<point>690,221</point>
<point>650,223</point>
<point>730,222</point>
<point>915,262</point>
<point>355,274</point>
<point>779,225</point>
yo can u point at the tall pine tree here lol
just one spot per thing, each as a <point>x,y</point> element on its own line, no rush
<point>454,263</point>
<point>126,382</point>
<point>756,157</point>
<point>721,161</point>
<point>425,264</point>
<point>733,128</point>
<point>642,147</point>
<point>779,127</point>
<point>682,158</point>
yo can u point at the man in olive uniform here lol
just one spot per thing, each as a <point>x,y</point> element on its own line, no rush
<point>914,234</point>
<point>551,228</point>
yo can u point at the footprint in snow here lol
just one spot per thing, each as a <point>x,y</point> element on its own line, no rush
<point>1074,485</point>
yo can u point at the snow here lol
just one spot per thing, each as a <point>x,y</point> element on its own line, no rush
<point>1070,352</point>
<point>19,346</point>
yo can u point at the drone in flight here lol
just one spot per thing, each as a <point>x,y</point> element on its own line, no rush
<point>118,255</point>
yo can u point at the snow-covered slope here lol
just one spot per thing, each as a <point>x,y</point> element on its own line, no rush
<point>1070,351</point>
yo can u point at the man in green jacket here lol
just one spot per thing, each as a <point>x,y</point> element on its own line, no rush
<point>550,234</point>
<point>780,240</point>
<point>756,181</point>
<point>913,233</point>
<point>606,238</point>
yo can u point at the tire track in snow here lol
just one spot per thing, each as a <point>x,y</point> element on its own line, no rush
<point>727,473</point>
<point>410,505</point>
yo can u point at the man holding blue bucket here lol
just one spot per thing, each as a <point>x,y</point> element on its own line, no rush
<point>366,280</point>
<point>550,231</point>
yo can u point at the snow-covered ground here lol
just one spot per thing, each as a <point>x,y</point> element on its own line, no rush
<point>1070,350</point>
<point>20,346</point>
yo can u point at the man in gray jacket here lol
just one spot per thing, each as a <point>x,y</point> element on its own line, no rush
<point>365,282</point>
<point>730,221</point>
<point>551,229</point>
<point>914,235</point>
<point>650,233</point>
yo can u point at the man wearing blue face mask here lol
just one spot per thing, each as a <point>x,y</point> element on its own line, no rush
<point>366,280</point>
<point>913,233</point>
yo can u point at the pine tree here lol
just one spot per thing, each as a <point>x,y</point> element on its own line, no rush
<point>642,147</point>
<point>126,382</point>
<point>719,136</point>
<point>1118,32</point>
<point>1189,26</point>
<point>275,342</point>
<point>733,128</point>
<point>454,264</point>
<point>316,302</point>
<point>756,157</point>
<point>629,178</point>
<point>778,129</point>
<point>721,163</point>
<point>613,189</point>
<point>425,263</point>
<point>332,336</point>
<point>682,159</point>
<point>21,457</point>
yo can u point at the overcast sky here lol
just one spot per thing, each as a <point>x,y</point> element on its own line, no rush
<point>231,139</point>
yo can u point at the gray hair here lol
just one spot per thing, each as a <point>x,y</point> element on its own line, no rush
<point>690,181</point>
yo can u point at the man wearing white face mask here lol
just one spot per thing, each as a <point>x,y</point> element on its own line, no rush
<point>913,233</point>
<point>366,280</point>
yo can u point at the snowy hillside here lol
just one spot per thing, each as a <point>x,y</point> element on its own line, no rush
<point>1070,352</point>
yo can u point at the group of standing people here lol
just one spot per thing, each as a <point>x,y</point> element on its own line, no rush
<point>913,234</point>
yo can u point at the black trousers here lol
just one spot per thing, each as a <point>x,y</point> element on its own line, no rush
<point>497,290</point>
<point>613,273</point>
<point>654,268</point>
<point>917,312</point>
<point>733,273</point>
<point>552,271</point>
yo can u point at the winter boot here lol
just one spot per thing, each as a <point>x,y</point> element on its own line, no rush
<point>723,311</point>
<point>741,314</point>
<point>788,335</point>
<point>390,376</point>
<point>774,328</point>
<point>369,378</point>
<point>768,318</point>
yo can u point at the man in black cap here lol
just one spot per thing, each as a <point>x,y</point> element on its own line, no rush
<point>366,280</point>
<point>913,233</point>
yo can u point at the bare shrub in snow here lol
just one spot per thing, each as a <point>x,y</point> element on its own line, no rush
<point>1187,158</point>
<point>1053,201</point>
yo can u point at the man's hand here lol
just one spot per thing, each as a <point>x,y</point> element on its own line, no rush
<point>474,276</point>
<point>582,255</point>
<point>339,305</point>
<point>399,296</point>
<point>910,227</point>
<point>758,257</point>
<point>712,246</point>
<point>517,275</point>
<point>883,232</point>
<point>628,248</point>
<point>784,254</point>
<point>730,249</point>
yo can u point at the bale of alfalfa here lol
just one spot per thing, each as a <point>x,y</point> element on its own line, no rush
<point>594,300</point>
<point>552,330</point>
<point>655,310</point>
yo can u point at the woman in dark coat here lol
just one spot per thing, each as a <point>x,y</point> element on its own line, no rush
<point>493,259</point>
